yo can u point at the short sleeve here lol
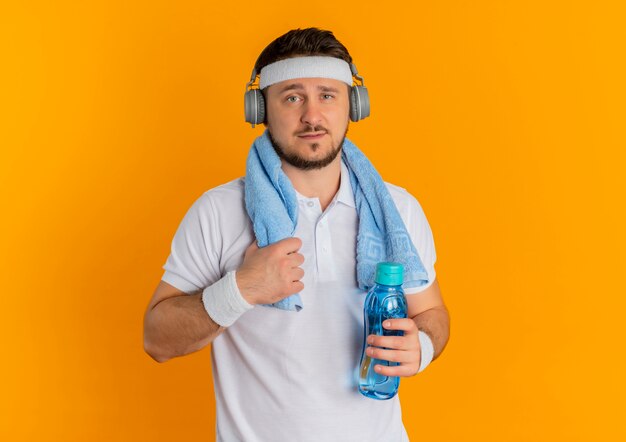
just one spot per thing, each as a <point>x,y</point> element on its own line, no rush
<point>193,263</point>
<point>422,237</point>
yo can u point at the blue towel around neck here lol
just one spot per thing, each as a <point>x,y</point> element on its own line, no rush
<point>272,206</point>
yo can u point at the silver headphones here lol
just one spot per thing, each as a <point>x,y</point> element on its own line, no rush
<point>254,104</point>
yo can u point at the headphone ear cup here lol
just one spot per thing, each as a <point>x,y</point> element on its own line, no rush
<point>354,105</point>
<point>261,106</point>
<point>359,103</point>
<point>254,107</point>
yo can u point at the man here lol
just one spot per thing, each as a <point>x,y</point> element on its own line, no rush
<point>283,375</point>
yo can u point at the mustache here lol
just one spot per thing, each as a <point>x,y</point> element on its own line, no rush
<point>312,129</point>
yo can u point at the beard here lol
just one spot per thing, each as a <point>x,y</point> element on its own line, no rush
<point>302,163</point>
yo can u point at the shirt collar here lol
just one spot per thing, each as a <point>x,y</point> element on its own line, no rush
<point>344,194</point>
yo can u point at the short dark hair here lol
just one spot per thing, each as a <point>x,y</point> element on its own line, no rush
<point>301,42</point>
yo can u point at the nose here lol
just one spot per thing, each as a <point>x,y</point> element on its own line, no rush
<point>311,113</point>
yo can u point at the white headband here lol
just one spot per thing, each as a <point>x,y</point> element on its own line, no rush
<point>305,67</point>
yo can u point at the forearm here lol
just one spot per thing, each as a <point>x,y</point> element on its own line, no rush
<point>436,323</point>
<point>178,326</point>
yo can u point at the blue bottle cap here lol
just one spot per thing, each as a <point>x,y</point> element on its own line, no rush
<point>389,273</point>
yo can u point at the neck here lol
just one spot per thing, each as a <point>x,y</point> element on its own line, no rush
<point>318,183</point>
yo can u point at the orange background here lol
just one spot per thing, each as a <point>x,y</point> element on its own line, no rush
<point>504,118</point>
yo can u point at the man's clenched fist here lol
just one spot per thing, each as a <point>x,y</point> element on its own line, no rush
<point>272,273</point>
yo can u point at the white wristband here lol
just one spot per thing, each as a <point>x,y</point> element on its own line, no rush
<point>223,301</point>
<point>427,350</point>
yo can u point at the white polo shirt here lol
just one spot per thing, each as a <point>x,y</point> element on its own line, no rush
<point>292,376</point>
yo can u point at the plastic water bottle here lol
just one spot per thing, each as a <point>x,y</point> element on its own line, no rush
<point>384,301</point>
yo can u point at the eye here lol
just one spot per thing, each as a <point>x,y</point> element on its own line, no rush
<point>327,95</point>
<point>292,98</point>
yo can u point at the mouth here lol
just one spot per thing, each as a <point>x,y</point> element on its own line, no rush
<point>312,135</point>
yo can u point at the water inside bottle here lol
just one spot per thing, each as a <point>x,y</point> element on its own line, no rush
<point>371,383</point>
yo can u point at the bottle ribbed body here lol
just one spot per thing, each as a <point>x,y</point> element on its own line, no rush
<point>382,302</point>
